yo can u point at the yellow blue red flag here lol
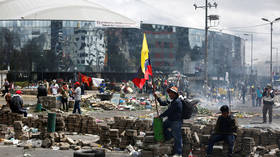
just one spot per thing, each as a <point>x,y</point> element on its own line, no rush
<point>145,69</point>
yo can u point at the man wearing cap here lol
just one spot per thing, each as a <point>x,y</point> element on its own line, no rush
<point>225,130</point>
<point>17,104</point>
<point>268,102</point>
<point>77,97</point>
<point>172,125</point>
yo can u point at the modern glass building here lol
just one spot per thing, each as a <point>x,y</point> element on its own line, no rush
<point>47,43</point>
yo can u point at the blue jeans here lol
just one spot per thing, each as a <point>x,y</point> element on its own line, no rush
<point>219,137</point>
<point>175,132</point>
<point>253,101</point>
<point>77,106</point>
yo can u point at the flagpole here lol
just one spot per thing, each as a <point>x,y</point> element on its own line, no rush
<point>153,83</point>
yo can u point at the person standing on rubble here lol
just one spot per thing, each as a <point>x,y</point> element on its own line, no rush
<point>259,97</point>
<point>253,95</point>
<point>54,87</point>
<point>268,103</point>
<point>172,125</point>
<point>42,91</point>
<point>77,97</point>
<point>65,94</point>
<point>243,93</point>
<point>6,87</point>
<point>225,130</point>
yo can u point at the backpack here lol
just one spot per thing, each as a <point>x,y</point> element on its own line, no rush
<point>16,103</point>
<point>188,108</point>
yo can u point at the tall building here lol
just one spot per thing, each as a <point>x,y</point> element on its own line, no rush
<point>46,39</point>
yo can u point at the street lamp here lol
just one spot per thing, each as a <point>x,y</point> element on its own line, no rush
<point>75,73</point>
<point>251,50</point>
<point>276,70</point>
<point>206,6</point>
<point>271,24</point>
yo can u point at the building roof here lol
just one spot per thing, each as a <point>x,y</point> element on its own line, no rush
<point>82,10</point>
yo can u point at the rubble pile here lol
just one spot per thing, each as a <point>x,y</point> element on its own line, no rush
<point>19,133</point>
<point>121,132</point>
<point>105,105</point>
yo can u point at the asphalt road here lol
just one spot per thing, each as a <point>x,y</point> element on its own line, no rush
<point>13,151</point>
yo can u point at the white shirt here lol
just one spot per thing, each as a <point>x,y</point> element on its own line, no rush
<point>54,89</point>
<point>77,94</point>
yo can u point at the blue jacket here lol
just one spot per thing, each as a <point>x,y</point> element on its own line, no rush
<point>174,111</point>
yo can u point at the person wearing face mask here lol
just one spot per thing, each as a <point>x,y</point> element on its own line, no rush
<point>268,102</point>
<point>172,125</point>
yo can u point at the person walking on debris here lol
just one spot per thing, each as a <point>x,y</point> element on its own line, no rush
<point>225,130</point>
<point>16,105</point>
<point>243,93</point>
<point>253,95</point>
<point>268,103</point>
<point>174,120</point>
<point>259,97</point>
<point>65,94</point>
<point>6,86</point>
<point>77,97</point>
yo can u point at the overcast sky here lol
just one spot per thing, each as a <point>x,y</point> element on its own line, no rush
<point>233,15</point>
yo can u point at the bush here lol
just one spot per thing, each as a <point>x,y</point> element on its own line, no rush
<point>21,84</point>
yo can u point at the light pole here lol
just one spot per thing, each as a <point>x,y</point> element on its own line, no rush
<point>206,35</point>
<point>271,25</point>
<point>251,51</point>
<point>276,69</point>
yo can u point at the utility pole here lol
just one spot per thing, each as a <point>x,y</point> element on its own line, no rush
<point>206,43</point>
<point>271,29</point>
<point>251,51</point>
<point>206,6</point>
<point>276,69</point>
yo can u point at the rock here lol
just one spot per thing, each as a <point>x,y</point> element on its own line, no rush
<point>46,143</point>
<point>77,147</point>
<point>86,147</point>
<point>64,146</point>
<point>69,140</point>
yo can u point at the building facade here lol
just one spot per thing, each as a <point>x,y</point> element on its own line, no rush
<point>42,48</point>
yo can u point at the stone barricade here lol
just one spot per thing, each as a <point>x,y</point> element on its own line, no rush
<point>123,131</point>
<point>50,102</point>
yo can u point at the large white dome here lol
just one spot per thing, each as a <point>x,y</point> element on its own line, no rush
<point>83,10</point>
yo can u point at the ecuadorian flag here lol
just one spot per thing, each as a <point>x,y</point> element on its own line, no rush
<point>145,69</point>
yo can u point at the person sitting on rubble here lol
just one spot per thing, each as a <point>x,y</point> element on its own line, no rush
<point>225,130</point>
<point>172,125</point>
<point>16,105</point>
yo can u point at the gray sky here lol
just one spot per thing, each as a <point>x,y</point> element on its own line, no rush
<point>233,14</point>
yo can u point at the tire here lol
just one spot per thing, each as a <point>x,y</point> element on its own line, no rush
<point>90,153</point>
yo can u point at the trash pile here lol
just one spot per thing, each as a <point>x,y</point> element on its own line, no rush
<point>100,102</point>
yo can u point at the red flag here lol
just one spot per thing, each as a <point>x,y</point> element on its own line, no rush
<point>86,79</point>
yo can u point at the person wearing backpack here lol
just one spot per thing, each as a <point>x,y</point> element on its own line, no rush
<point>225,130</point>
<point>17,104</point>
<point>172,125</point>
